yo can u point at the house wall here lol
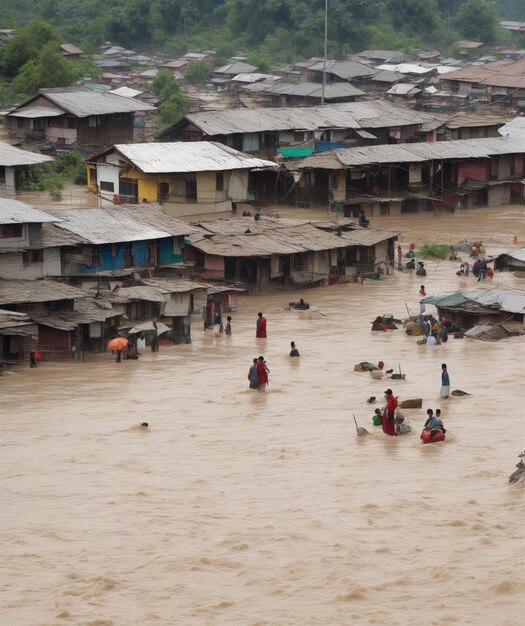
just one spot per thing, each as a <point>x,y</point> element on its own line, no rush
<point>476,169</point>
<point>499,195</point>
<point>207,187</point>
<point>179,209</point>
<point>109,129</point>
<point>506,166</point>
<point>214,265</point>
<point>177,305</point>
<point>17,242</point>
<point>108,174</point>
<point>7,185</point>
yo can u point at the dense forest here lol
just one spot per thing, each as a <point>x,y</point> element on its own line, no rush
<point>276,30</point>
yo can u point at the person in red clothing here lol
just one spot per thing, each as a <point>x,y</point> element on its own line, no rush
<point>389,414</point>
<point>262,374</point>
<point>260,326</point>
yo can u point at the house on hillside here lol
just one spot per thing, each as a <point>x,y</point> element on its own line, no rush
<point>223,75</point>
<point>340,71</point>
<point>13,159</point>
<point>502,82</point>
<point>75,116</point>
<point>407,178</point>
<point>275,253</point>
<point>186,178</point>
<point>70,51</point>
<point>280,94</point>
<point>265,131</point>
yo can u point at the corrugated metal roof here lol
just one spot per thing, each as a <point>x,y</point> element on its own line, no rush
<point>33,112</point>
<point>498,298</point>
<point>344,69</point>
<point>201,156</point>
<point>20,291</point>
<point>419,152</point>
<point>403,89</point>
<point>235,68</point>
<point>518,255</point>
<point>83,102</point>
<point>115,225</point>
<point>406,68</point>
<point>15,212</point>
<point>126,92</point>
<point>313,90</point>
<point>365,115</point>
<point>12,156</point>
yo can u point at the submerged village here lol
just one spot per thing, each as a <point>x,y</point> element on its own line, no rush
<point>186,224</point>
<point>240,294</point>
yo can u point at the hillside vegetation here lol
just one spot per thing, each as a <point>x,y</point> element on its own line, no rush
<point>277,30</point>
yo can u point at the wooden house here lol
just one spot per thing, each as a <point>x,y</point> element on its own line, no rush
<point>13,159</point>
<point>268,253</point>
<point>185,178</point>
<point>75,116</point>
<point>415,177</point>
<point>480,306</point>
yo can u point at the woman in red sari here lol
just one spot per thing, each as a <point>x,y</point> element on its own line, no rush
<point>262,374</point>
<point>389,414</point>
<point>260,332</point>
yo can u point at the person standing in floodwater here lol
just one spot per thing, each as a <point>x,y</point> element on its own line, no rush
<point>293,350</point>
<point>260,332</point>
<point>155,338</point>
<point>445,382</point>
<point>252,375</point>
<point>228,327</point>
<point>389,414</point>
<point>262,374</point>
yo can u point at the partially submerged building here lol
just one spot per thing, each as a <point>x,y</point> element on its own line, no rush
<point>415,177</point>
<point>275,253</point>
<point>186,178</point>
<point>467,309</point>
<point>13,159</point>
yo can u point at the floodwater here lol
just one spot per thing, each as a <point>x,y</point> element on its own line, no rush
<point>246,508</point>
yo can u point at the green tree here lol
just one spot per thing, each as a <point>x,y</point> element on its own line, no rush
<point>197,72</point>
<point>164,85</point>
<point>49,69</point>
<point>26,45</point>
<point>476,19</point>
<point>261,64</point>
<point>173,109</point>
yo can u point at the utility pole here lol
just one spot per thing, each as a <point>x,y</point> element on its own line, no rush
<point>325,48</point>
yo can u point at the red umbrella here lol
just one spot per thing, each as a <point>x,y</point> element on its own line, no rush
<point>119,343</point>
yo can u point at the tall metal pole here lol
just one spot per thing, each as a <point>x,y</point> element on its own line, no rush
<point>325,48</point>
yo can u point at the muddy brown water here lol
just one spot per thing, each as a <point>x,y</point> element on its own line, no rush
<point>237,507</point>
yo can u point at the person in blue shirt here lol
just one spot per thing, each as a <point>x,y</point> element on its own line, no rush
<point>445,382</point>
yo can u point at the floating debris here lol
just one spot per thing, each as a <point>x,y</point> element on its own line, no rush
<point>518,476</point>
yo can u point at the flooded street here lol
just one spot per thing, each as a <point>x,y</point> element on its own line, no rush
<point>246,508</point>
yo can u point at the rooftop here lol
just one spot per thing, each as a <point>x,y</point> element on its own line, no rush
<point>11,156</point>
<point>362,115</point>
<point>24,291</point>
<point>172,157</point>
<point>81,102</point>
<point>497,298</point>
<point>15,212</point>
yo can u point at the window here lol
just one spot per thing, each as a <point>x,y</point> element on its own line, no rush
<point>38,123</point>
<point>106,186</point>
<point>92,175</point>
<point>163,191</point>
<point>219,181</point>
<point>2,174</point>
<point>20,122</point>
<point>11,231</point>
<point>33,256</point>
<point>298,136</point>
<point>191,187</point>
<point>72,123</point>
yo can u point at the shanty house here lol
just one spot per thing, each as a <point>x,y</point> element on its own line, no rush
<point>44,301</point>
<point>23,253</point>
<point>275,253</point>
<point>513,260</point>
<point>18,337</point>
<point>13,159</point>
<point>265,131</point>
<point>172,300</point>
<point>304,94</point>
<point>75,116</point>
<point>186,178</point>
<point>116,239</point>
<point>480,306</point>
<point>394,179</point>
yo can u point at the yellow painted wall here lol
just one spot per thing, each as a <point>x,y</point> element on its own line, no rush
<point>207,184</point>
<point>92,184</point>
<point>147,183</point>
